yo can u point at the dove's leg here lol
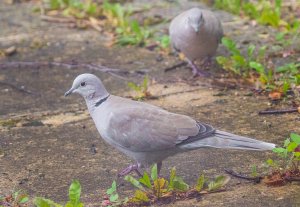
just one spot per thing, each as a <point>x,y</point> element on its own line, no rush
<point>196,71</point>
<point>207,62</point>
<point>129,169</point>
<point>159,164</point>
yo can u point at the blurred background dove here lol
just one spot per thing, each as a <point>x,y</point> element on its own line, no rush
<point>196,33</point>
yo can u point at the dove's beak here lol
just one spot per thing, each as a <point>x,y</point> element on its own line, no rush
<point>69,92</point>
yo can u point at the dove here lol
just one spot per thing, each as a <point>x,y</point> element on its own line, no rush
<point>149,134</point>
<point>196,33</point>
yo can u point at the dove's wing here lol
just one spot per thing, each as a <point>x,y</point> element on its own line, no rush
<point>149,128</point>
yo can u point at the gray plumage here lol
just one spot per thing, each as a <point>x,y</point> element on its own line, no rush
<point>147,133</point>
<point>196,33</point>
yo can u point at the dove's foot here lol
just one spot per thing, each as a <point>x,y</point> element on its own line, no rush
<point>196,71</point>
<point>207,62</point>
<point>129,169</point>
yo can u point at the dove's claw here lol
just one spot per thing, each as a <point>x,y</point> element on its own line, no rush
<point>196,71</point>
<point>129,169</point>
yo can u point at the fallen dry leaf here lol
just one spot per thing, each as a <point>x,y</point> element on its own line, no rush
<point>275,95</point>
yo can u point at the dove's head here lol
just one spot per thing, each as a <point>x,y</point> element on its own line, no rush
<point>195,19</point>
<point>89,86</point>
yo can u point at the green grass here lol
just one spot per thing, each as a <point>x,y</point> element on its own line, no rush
<point>128,31</point>
<point>256,64</point>
<point>263,11</point>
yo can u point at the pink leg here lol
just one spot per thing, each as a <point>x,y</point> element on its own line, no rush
<point>196,71</point>
<point>129,169</point>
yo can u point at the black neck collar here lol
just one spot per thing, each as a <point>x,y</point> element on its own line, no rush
<point>98,103</point>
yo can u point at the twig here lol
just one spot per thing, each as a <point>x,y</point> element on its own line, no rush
<point>279,111</point>
<point>290,179</point>
<point>57,19</point>
<point>175,66</point>
<point>234,174</point>
<point>72,65</point>
<point>21,89</point>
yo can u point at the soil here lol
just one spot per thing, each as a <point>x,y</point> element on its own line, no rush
<point>46,140</point>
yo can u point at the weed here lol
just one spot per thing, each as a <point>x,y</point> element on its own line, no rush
<point>237,63</point>
<point>16,198</point>
<point>114,198</point>
<point>257,64</point>
<point>129,32</point>
<point>287,167</point>
<point>164,41</point>
<point>290,152</point>
<point>75,8</point>
<point>141,89</point>
<point>74,198</point>
<point>152,188</point>
<point>264,12</point>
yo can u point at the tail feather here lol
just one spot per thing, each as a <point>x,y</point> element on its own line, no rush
<point>221,139</point>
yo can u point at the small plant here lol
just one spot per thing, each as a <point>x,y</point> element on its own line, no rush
<point>140,89</point>
<point>264,12</point>
<point>256,64</point>
<point>288,166</point>
<point>129,32</point>
<point>16,199</point>
<point>113,198</point>
<point>237,63</point>
<point>152,188</point>
<point>74,198</point>
<point>75,8</point>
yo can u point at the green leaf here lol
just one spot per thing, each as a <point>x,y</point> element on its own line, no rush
<point>154,172</point>
<point>286,142</point>
<point>145,82</point>
<point>270,162</point>
<point>134,182</point>
<point>146,180</point>
<point>134,86</point>
<point>297,154</point>
<point>172,176</point>
<point>140,196</point>
<point>231,46</point>
<point>250,51</point>
<point>136,27</point>
<point>219,182</point>
<point>295,138</point>
<point>24,199</point>
<point>254,171</point>
<point>43,202</point>
<point>112,189</point>
<point>292,146</point>
<point>257,66</point>
<point>279,150</point>
<point>74,192</point>
<point>179,184</point>
<point>114,197</point>
<point>200,183</point>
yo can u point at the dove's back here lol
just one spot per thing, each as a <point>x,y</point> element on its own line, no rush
<point>196,45</point>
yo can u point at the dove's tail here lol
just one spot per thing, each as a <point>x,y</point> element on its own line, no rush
<point>221,139</point>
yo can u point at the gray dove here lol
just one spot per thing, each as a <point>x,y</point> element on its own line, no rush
<point>147,133</point>
<point>196,33</point>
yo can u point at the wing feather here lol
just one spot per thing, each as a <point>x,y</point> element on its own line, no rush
<point>149,129</point>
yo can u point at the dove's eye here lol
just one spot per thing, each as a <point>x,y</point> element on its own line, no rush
<point>83,84</point>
